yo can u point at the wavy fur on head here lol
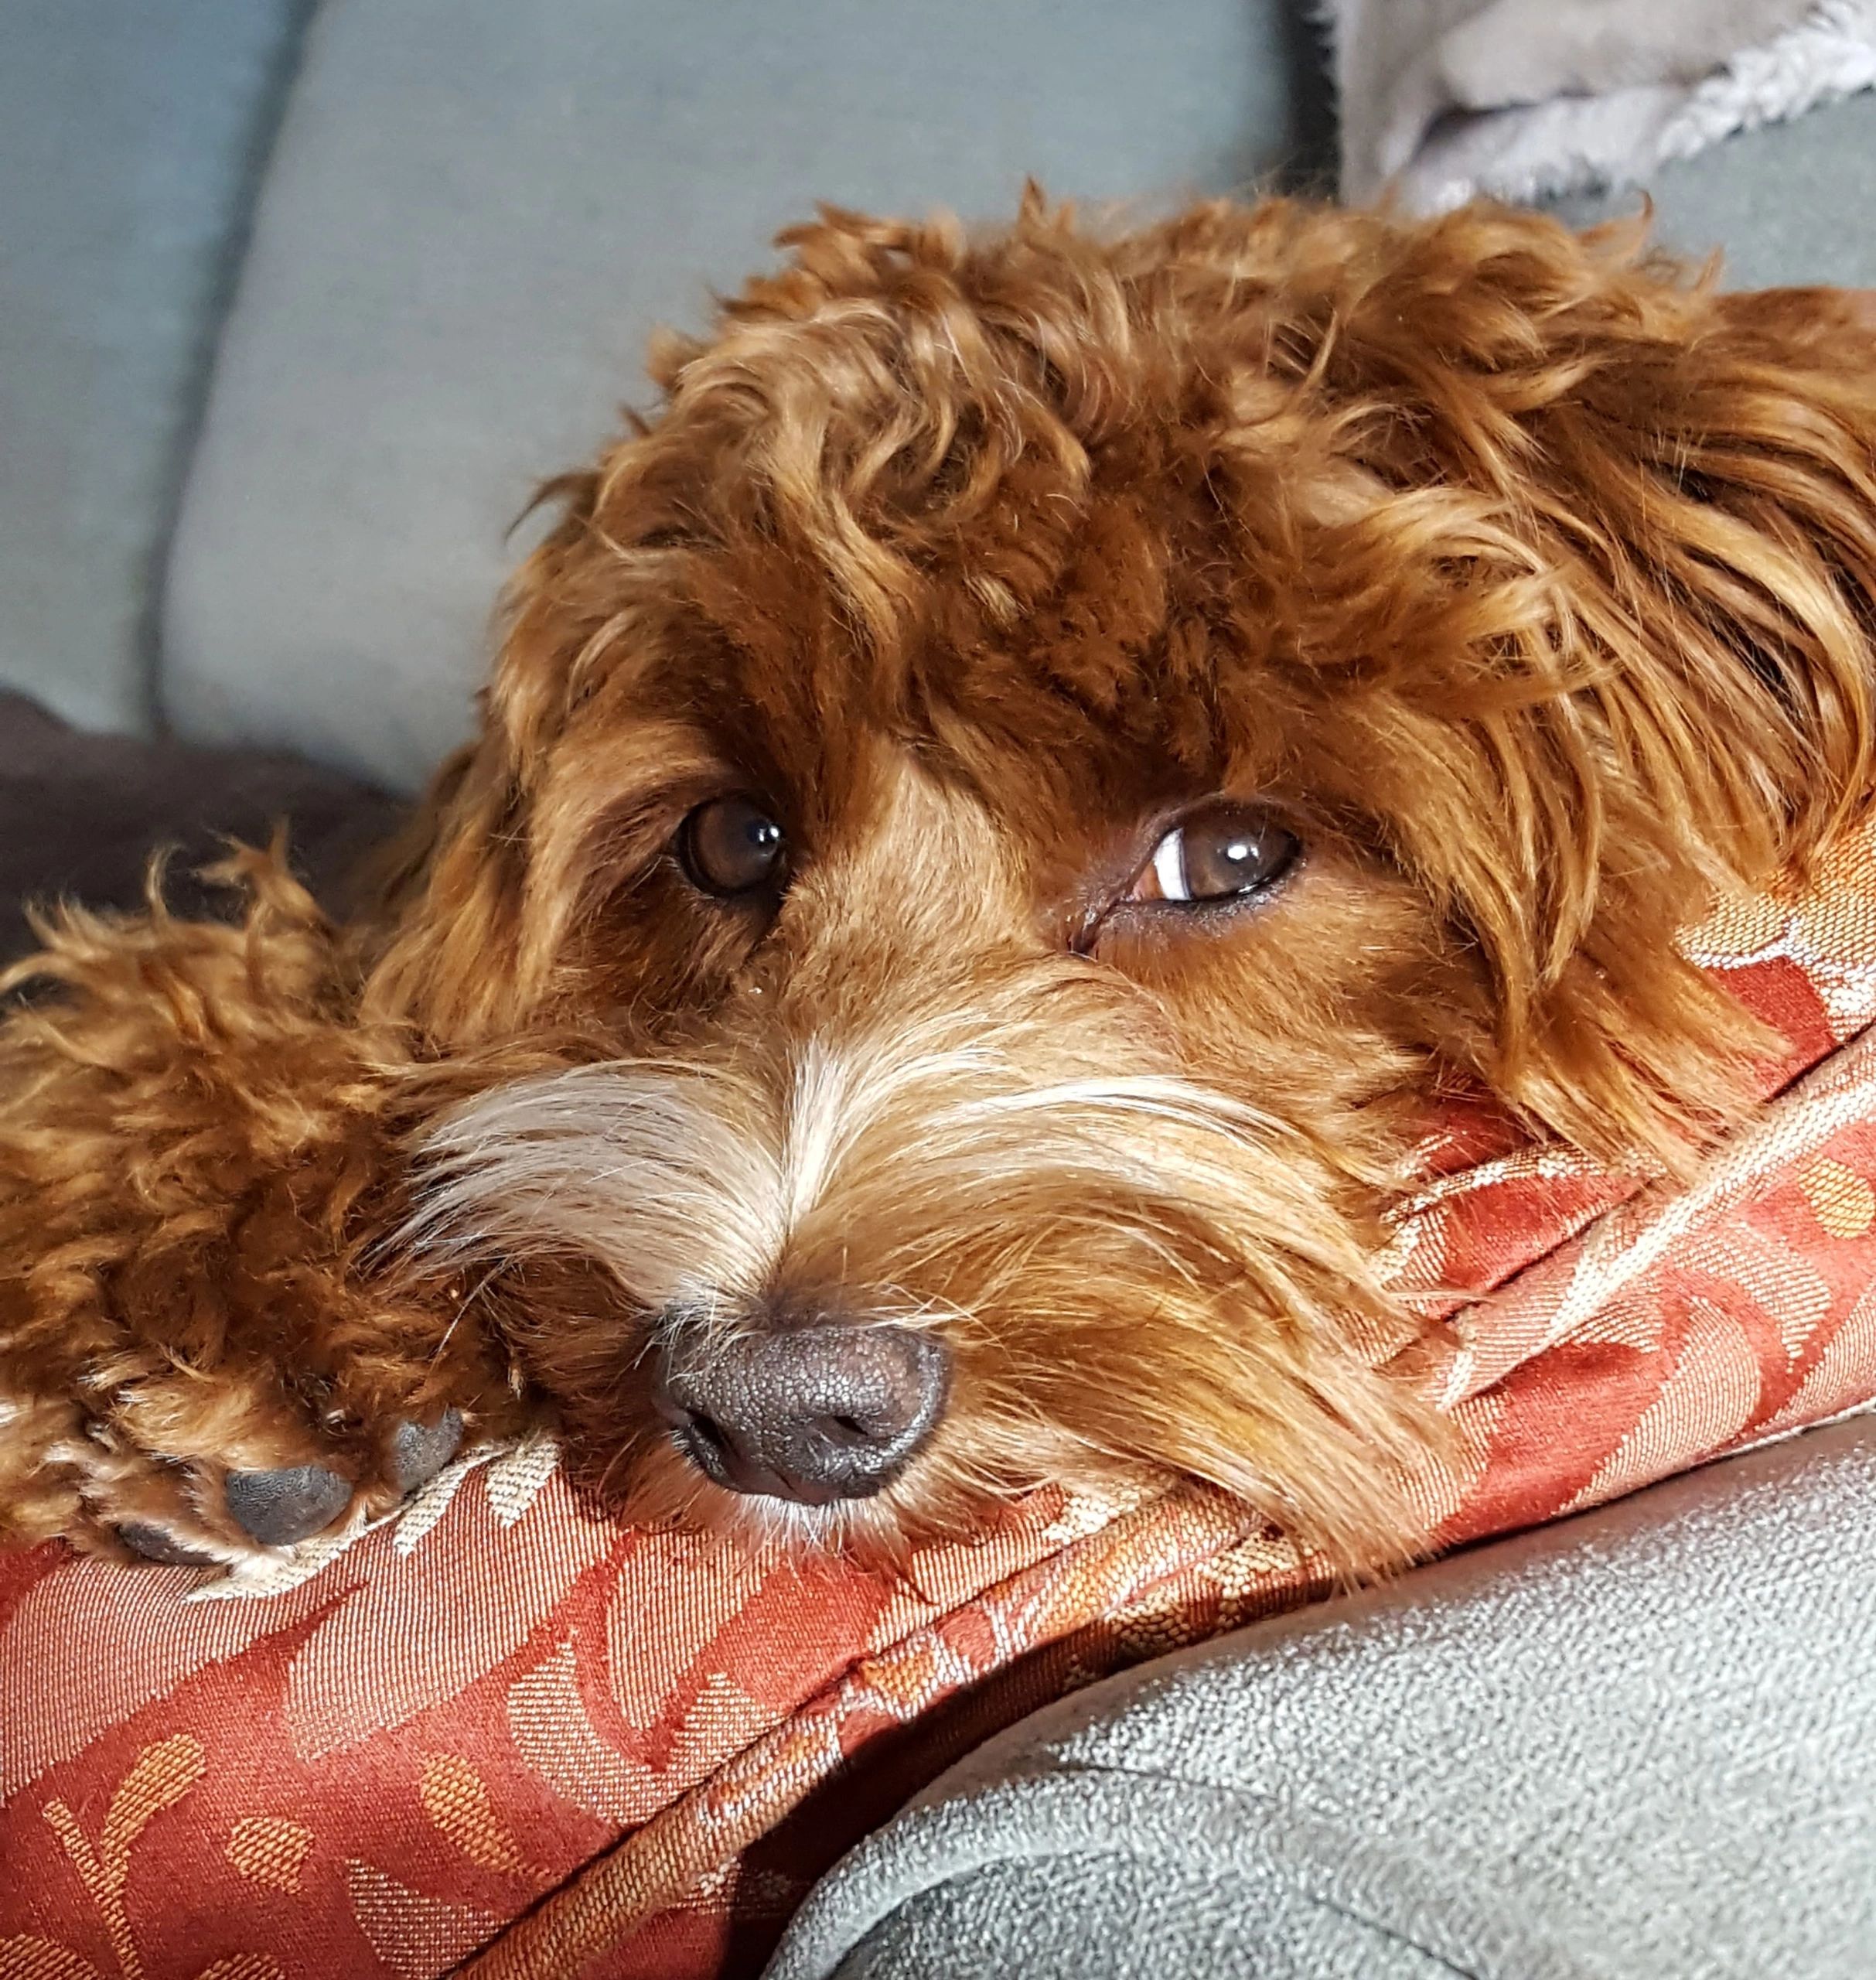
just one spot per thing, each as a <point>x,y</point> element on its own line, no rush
<point>1527,581</point>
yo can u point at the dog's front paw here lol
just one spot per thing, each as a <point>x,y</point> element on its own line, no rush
<point>273,1506</point>
<point>196,1468</point>
<point>211,1348</point>
<point>202,1510</point>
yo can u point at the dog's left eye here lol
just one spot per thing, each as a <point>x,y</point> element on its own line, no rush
<point>1213,853</point>
<point>731,846</point>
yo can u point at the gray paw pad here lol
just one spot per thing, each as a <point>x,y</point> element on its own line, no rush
<point>419,1451</point>
<point>155,1545</point>
<point>278,1507</point>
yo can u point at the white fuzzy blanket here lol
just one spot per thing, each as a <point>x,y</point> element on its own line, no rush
<point>1443,100</point>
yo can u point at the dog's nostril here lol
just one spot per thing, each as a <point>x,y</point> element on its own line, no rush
<point>701,1427</point>
<point>809,1413</point>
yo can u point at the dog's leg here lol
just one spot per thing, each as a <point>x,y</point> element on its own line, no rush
<point>203,1352</point>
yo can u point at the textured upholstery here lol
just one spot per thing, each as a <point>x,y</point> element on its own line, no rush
<point>1639,1747</point>
<point>476,213</point>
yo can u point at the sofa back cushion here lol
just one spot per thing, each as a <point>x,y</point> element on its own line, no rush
<point>476,213</point>
<point>129,134</point>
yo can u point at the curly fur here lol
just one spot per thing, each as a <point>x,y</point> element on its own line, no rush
<point>1528,578</point>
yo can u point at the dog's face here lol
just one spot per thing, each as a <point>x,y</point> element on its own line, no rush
<point>1002,806</point>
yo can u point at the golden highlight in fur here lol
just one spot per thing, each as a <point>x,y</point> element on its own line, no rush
<point>1508,593</point>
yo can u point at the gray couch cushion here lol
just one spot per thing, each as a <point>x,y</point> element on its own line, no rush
<point>128,132</point>
<point>1788,204</point>
<point>477,210</point>
<point>1640,1745</point>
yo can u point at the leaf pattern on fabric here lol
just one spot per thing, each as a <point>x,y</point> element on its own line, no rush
<point>161,1775</point>
<point>1707,1401</point>
<point>1843,1201</point>
<point>517,1477</point>
<point>88,1601</point>
<point>430,1598</point>
<point>553,1733</point>
<point>29,1958</point>
<point>456,1798</point>
<point>1841,1379</point>
<point>418,1937</point>
<point>668,1606</point>
<point>270,1849</point>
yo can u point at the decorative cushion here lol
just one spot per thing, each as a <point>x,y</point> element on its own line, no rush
<point>498,1726</point>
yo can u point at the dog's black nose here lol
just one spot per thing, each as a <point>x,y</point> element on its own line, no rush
<point>813,1413</point>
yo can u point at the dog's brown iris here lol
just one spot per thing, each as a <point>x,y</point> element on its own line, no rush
<point>1213,853</point>
<point>730,845</point>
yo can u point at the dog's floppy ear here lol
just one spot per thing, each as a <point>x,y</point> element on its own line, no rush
<point>1622,579</point>
<point>1708,493</point>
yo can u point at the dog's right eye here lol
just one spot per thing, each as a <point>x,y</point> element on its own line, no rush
<point>1221,852</point>
<point>731,846</point>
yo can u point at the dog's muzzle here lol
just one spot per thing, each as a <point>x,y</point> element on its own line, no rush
<point>813,1413</point>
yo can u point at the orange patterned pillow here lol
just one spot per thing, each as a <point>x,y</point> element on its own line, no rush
<point>497,1735</point>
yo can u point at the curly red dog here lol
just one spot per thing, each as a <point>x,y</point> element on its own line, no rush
<point>997,809</point>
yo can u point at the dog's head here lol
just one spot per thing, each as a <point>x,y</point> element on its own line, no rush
<point>1000,806</point>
